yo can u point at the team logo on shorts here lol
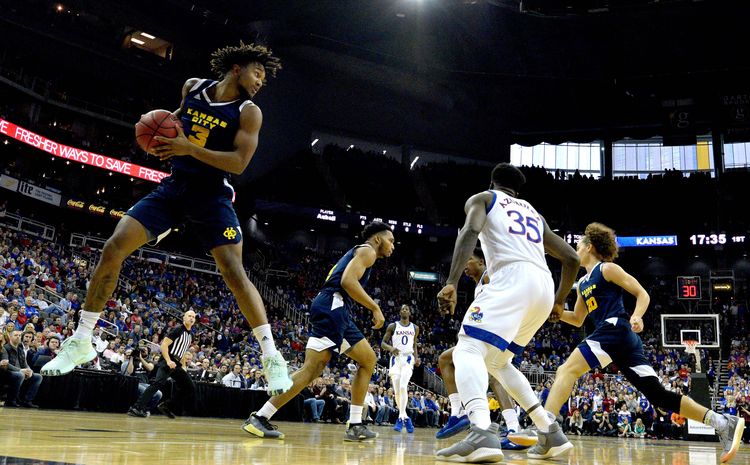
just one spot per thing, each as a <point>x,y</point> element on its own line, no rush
<point>476,314</point>
<point>230,233</point>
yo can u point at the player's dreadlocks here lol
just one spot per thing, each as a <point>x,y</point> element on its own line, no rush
<point>244,54</point>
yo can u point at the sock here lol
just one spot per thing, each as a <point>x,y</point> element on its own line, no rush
<point>479,413</point>
<point>267,410</point>
<point>455,404</point>
<point>511,420</point>
<point>541,418</point>
<point>715,420</point>
<point>86,324</point>
<point>472,380</point>
<point>355,414</point>
<point>265,339</point>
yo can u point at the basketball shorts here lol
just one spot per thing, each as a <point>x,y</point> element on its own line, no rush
<point>331,324</point>
<point>511,308</point>
<point>401,365</point>
<point>204,204</point>
<point>615,342</point>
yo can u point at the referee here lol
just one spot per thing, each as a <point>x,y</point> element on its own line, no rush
<point>173,348</point>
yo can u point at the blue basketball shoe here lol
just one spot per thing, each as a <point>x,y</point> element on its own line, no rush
<point>454,426</point>
<point>409,425</point>
<point>399,425</point>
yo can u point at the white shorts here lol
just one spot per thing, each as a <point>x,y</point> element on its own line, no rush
<point>511,308</point>
<point>402,366</point>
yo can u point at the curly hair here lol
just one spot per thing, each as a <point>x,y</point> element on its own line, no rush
<point>603,239</point>
<point>224,58</point>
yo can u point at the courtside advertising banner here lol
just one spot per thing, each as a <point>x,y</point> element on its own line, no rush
<point>78,155</point>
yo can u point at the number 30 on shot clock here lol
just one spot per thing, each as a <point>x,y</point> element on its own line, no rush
<point>689,287</point>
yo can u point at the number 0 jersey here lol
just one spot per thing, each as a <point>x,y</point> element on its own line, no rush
<point>208,124</point>
<point>603,299</point>
<point>513,233</point>
<point>403,338</point>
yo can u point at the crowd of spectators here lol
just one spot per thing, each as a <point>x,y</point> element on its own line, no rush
<point>149,301</point>
<point>152,296</point>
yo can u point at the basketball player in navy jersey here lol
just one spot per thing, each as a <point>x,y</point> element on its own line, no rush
<point>615,340</point>
<point>221,126</point>
<point>333,330</point>
<point>400,340</point>
<point>458,421</point>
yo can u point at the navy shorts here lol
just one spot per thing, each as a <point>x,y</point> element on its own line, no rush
<point>331,324</point>
<point>615,342</point>
<point>204,204</point>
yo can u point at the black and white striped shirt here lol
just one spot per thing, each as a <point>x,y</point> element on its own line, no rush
<point>181,340</point>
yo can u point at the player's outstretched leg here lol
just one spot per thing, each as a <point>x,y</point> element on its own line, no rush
<point>482,443</point>
<point>458,421</point>
<point>129,235</point>
<point>258,423</point>
<point>728,427</point>
<point>229,260</point>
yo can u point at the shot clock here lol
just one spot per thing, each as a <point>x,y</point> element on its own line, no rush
<point>689,287</point>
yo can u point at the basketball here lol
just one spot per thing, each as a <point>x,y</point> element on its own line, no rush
<point>155,123</point>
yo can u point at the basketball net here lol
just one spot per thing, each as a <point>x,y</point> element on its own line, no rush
<point>691,348</point>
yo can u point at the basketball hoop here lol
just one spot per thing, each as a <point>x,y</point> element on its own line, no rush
<point>690,346</point>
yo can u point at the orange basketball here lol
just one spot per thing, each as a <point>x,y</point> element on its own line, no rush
<point>155,123</point>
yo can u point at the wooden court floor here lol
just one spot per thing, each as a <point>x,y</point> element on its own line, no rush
<point>48,436</point>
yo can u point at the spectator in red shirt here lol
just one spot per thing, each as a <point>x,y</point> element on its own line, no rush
<point>683,372</point>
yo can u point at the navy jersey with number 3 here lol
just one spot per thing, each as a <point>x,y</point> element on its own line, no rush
<point>603,299</point>
<point>208,124</point>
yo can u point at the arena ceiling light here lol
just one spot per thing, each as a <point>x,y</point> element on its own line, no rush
<point>149,43</point>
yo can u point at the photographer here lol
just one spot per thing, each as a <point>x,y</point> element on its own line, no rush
<point>173,349</point>
<point>138,365</point>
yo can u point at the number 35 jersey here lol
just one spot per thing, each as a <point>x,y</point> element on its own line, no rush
<point>208,124</point>
<point>512,233</point>
<point>603,299</point>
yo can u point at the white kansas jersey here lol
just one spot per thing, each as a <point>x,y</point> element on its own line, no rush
<point>403,338</point>
<point>513,233</point>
